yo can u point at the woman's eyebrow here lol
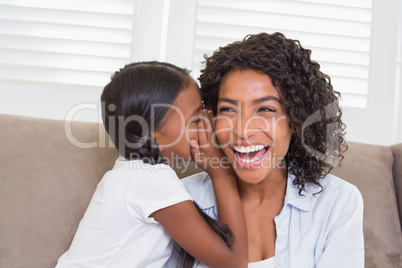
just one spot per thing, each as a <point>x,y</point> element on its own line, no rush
<point>267,98</point>
<point>228,100</point>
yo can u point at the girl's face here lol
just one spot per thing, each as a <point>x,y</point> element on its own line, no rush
<point>252,125</point>
<point>180,126</point>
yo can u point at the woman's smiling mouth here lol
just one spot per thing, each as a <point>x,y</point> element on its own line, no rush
<point>249,156</point>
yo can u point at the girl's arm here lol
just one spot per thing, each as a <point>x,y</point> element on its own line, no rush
<point>189,229</point>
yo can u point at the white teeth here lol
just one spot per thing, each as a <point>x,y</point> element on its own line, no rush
<point>250,160</point>
<point>248,149</point>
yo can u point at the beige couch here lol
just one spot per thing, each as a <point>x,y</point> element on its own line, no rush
<point>46,183</point>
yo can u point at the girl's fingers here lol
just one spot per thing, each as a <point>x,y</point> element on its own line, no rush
<point>194,145</point>
<point>202,148</point>
<point>195,151</point>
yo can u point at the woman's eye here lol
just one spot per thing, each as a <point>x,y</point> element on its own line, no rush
<point>225,109</point>
<point>266,109</point>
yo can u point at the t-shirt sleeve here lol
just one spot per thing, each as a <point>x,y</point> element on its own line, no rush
<point>153,188</point>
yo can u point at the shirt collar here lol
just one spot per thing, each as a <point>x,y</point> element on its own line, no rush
<point>206,197</point>
<point>303,202</point>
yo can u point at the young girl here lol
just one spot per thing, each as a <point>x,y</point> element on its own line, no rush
<point>151,111</point>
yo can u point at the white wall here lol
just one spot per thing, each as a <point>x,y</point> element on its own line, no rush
<point>54,101</point>
<point>380,123</point>
<point>164,30</point>
<point>398,88</point>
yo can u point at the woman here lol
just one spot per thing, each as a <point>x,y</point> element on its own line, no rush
<point>279,123</point>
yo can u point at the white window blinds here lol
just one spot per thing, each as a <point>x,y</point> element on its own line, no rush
<point>78,42</point>
<point>337,31</point>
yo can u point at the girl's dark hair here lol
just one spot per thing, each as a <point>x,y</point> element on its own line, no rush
<point>135,103</point>
<point>311,102</point>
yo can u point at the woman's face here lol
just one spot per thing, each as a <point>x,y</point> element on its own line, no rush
<point>252,125</point>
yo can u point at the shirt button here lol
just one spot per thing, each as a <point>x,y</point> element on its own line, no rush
<point>283,228</point>
<point>280,261</point>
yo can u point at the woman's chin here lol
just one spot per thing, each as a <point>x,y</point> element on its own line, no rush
<point>258,171</point>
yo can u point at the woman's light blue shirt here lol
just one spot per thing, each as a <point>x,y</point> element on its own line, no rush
<point>323,230</point>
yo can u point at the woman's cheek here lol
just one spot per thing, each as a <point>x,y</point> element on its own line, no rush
<point>223,132</point>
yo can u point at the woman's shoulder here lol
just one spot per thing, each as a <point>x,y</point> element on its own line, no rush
<point>329,184</point>
<point>336,193</point>
<point>342,189</point>
<point>332,184</point>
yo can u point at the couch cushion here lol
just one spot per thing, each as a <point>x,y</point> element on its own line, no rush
<point>369,167</point>
<point>46,184</point>
<point>397,151</point>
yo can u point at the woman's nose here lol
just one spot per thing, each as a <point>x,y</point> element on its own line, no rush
<point>248,126</point>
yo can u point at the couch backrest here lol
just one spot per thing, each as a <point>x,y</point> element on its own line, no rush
<point>46,183</point>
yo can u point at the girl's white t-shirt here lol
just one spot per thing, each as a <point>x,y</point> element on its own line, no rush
<point>116,230</point>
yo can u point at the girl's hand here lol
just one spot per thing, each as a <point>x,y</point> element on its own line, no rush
<point>206,152</point>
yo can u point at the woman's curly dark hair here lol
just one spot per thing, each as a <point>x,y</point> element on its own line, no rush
<point>311,102</point>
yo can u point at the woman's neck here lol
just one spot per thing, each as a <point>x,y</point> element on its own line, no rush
<point>272,187</point>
